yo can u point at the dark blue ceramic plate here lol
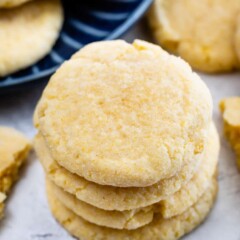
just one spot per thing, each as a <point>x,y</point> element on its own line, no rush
<point>85,21</point>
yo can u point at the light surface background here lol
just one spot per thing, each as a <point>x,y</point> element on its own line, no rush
<point>27,213</point>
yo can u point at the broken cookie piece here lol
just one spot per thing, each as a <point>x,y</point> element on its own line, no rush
<point>14,148</point>
<point>230,108</point>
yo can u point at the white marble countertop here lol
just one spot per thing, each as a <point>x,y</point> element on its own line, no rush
<point>27,213</point>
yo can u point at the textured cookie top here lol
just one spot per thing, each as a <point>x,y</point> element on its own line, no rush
<point>12,146</point>
<point>202,32</point>
<point>27,33</point>
<point>124,114</point>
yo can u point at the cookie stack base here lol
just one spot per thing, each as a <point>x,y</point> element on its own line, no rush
<point>158,229</point>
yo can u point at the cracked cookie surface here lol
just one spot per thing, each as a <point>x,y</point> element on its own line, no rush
<point>125,115</point>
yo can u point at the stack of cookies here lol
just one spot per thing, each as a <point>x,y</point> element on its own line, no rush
<point>28,31</point>
<point>126,138</point>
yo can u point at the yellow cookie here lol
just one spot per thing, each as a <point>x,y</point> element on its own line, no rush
<point>11,3</point>
<point>201,32</point>
<point>14,148</point>
<point>121,198</point>
<point>28,33</point>
<point>125,115</point>
<point>158,229</point>
<point>115,219</point>
<point>230,108</point>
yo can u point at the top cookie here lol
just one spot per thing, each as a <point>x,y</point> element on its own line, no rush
<point>124,114</point>
<point>201,32</point>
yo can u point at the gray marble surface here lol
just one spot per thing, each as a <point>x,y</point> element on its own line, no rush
<point>27,213</point>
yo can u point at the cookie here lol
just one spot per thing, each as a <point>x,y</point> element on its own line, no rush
<point>119,198</point>
<point>201,32</point>
<point>114,219</point>
<point>11,3</point>
<point>159,228</point>
<point>230,108</point>
<point>125,115</point>
<point>2,199</point>
<point>28,33</point>
<point>14,148</point>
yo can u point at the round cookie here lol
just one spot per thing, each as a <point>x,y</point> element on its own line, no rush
<point>114,219</point>
<point>14,148</point>
<point>11,3</point>
<point>126,115</point>
<point>164,229</point>
<point>28,33</point>
<point>121,198</point>
<point>201,32</point>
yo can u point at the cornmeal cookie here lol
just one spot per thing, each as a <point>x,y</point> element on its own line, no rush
<point>126,115</point>
<point>164,229</point>
<point>201,32</point>
<point>14,148</point>
<point>28,33</point>
<point>11,3</point>
<point>131,219</point>
<point>230,108</point>
<point>121,198</point>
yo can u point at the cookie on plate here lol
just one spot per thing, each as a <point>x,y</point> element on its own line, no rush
<point>28,33</point>
<point>164,229</point>
<point>201,32</point>
<point>14,148</point>
<point>125,115</point>
<point>230,108</point>
<point>11,3</point>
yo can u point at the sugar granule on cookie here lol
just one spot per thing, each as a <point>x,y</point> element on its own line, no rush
<point>230,108</point>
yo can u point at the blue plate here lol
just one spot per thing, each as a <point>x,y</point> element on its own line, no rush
<point>85,21</point>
